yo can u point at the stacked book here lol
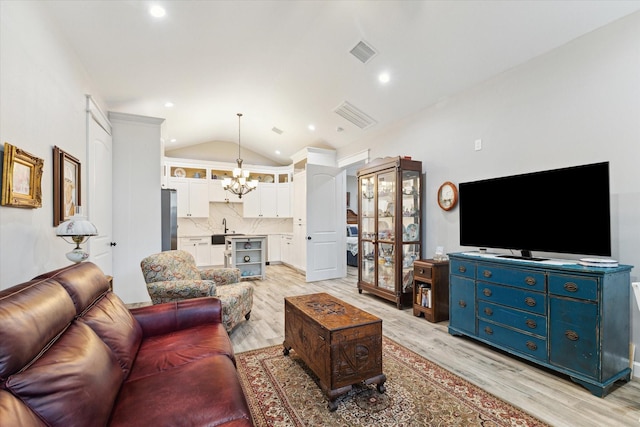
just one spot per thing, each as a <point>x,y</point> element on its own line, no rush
<point>597,262</point>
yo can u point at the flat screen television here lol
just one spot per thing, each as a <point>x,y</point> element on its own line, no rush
<point>560,211</point>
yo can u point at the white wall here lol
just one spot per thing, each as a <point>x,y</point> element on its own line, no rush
<point>221,151</point>
<point>575,105</point>
<point>42,104</point>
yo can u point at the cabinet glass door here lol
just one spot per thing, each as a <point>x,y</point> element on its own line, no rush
<point>386,211</point>
<point>367,208</point>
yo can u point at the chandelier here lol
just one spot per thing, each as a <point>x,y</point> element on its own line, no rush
<point>240,183</point>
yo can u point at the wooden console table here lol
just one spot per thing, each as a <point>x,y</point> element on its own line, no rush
<point>340,343</point>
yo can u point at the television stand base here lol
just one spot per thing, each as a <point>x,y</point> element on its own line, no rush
<point>525,258</point>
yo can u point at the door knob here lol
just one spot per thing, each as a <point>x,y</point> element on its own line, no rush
<point>308,237</point>
<point>112,244</point>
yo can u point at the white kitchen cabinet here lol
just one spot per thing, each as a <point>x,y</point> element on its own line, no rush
<point>193,197</point>
<point>298,256</point>
<point>217,193</point>
<point>217,255</point>
<point>199,247</point>
<point>261,202</point>
<point>299,246</point>
<point>285,249</point>
<point>274,251</point>
<point>283,200</point>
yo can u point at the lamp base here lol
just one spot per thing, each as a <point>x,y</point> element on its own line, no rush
<point>77,255</point>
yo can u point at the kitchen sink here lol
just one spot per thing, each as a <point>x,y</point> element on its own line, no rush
<point>218,239</point>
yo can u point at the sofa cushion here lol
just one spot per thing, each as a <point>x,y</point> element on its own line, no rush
<point>165,352</point>
<point>209,394</point>
<point>84,282</point>
<point>116,326</point>
<point>74,383</point>
<point>15,413</point>
<point>162,318</point>
<point>24,332</point>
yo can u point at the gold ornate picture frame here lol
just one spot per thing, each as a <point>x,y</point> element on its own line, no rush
<point>66,186</point>
<point>21,178</point>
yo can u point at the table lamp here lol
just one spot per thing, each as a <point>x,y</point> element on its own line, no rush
<point>79,229</point>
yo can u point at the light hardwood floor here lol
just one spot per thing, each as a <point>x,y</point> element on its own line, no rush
<point>551,397</point>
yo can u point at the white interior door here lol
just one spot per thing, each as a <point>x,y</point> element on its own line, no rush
<point>326,222</point>
<point>98,195</point>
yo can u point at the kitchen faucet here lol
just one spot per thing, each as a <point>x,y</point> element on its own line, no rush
<point>224,223</point>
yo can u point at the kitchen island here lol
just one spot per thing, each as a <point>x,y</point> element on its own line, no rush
<point>248,253</point>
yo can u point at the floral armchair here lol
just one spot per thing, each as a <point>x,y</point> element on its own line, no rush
<point>173,276</point>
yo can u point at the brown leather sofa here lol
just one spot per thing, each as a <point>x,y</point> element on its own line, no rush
<point>72,354</point>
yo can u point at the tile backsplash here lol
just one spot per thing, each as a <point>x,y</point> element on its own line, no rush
<point>236,223</point>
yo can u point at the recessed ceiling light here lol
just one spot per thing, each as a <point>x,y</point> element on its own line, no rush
<point>157,11</point>
<point>312,127</point>
<point>384,77</point>
<point>168,104</point>
<point>278,152</point>
<point>172,140</point>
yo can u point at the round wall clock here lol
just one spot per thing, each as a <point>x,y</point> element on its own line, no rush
<point>447,196</point>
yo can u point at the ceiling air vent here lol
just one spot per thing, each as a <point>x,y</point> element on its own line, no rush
<point>363,51</point>
<point>354,115</point>
<point>276,130</point>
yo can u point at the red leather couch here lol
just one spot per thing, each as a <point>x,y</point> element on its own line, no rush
<point>72,354</point>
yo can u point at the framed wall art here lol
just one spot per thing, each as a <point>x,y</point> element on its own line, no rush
<point>66,186</point>
<point>21,178</point>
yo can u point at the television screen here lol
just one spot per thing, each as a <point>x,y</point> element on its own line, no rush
<point>562,210</point>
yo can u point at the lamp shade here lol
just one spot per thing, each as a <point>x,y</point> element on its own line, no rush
<point>77,225</point>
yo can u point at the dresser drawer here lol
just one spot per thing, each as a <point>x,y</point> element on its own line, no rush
<point>463,268</point>
<point>513,297</point>
<point>509,338</point>
<point>523,320</point>
<point>574,286</point>
<point>422,271</point>
<point>533,280</point>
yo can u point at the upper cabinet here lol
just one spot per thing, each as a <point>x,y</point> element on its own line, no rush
<point>193,197</point>
<point>271,198</point>
<point>200,182</point>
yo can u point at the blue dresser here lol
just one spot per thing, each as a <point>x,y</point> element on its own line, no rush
<point>569,318</point>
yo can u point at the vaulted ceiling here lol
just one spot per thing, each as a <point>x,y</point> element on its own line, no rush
<point>287,64</point>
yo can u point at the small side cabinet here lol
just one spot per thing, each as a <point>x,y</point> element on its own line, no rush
<point>431,289</point>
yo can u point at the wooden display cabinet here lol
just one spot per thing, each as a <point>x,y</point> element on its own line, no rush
<point>390,227</point>
<point>431,289</point>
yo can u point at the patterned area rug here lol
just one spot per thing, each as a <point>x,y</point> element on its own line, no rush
<point>282,391</point>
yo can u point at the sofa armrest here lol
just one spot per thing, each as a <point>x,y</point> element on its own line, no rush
<point>173,290</point>
<point>221,275</point>
<point>173,316</point>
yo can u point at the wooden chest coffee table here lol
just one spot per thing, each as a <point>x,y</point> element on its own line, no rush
<point>340,343</point>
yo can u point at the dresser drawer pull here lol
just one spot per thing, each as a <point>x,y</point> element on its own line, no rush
<point>321,337</point>
<point>487,292</point>
<point>530,301</point>
<point>421,271</point>
<point>488,330</point>
<point>530,280</point>
<point>571,335</point>
<point>462,269</point>
<point>488,311</point>
<point>532,346</point>
<point>486,273</point>
<point>570,287</point>
<point>462,303</point>
<point>531,323</point>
